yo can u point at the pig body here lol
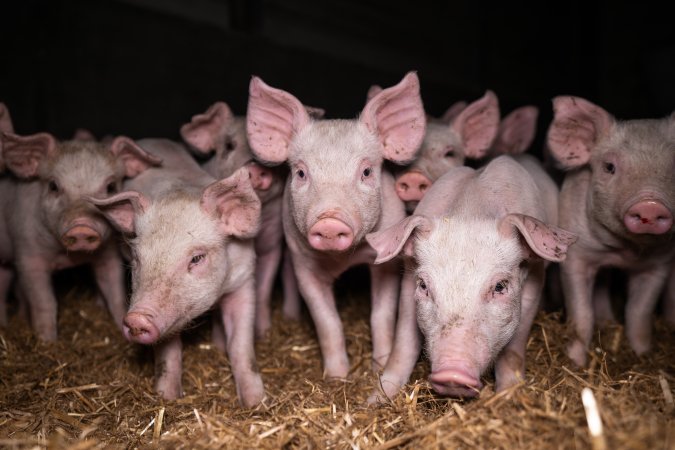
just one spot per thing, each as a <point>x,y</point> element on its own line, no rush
<point>335,194</point>
<point>47,224</point>
<point>619,198</point>
<point>192,251</point>
<point>6,272</point>
<point>478,244</point>
<point>219,131</point>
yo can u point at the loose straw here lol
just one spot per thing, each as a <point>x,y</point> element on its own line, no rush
<point>593,418</point>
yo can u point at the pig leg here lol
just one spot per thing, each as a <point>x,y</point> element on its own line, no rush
<point>577,281</point>
<point>109,274</point>
<point>266,270</point>
<point>643,293</point>
<point>291,304</point>
<point>385,281</point>
<point>320,300</point>
<point>510,365</point>
<point>669,299</point>
<point>238,314</point>
<point>6,275</point>
<point>218,333</point>
<point>602,300</point>
<point>34,279</point>
<point>407,345</point>
<point>169,368</point>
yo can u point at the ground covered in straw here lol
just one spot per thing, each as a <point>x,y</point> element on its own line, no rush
<point>92,389</point>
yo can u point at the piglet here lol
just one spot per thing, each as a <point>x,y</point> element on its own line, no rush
<point>476,249</point>
<point>619,197</point>
<point>47,224</point>
<point>220,132</point>
<point>469,134</point>
<point>191,239</point>
<point>6,272</point>
<point>335,194</point>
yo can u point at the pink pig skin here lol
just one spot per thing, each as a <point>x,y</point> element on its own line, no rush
<point>219,131</point>
<point>619,197</point>
<point>6,126</point>
<point>47,225</point>
<point>469,134</point>
<point>192,250</point>
<point>335,195</point>
<point>477,244</point>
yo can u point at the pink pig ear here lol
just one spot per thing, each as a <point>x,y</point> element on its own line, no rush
<point>273,118</point>
<point>82,134</point>
<point>23,154</point>
<point>235,204</point>
<point>453,111</point>
<point>477,125</point>
<point>373,91</point>
<point>396,116</point>
<point>5,120</point>
<point>121,209</point>
<point>389,242</point>
<point>134,159</point>
<point>517,131</point>
<point>547,241</point>
<point>576,128</point>
<point>208,131</point>
<point>315,112</point>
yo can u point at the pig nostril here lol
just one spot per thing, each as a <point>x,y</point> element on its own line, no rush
<point>423,187</point>
<point>92,239</point>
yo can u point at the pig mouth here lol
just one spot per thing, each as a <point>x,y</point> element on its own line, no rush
<point>455,382</point>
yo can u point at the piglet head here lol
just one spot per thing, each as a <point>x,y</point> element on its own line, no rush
<point>334,184</point>
<point>631,168</point>
<point>184,247</point>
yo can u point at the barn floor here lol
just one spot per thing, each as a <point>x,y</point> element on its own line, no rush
<point>92,389</point>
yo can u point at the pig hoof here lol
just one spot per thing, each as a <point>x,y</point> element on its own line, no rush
<point>253,393</point>
<point>577,353</point>
<point>169,390</point>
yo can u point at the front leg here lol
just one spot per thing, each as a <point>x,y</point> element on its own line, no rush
<point>266,268</point>
<point>385,281</point>
<point>577,282</point>
<point>643,293</point>
<point>291,304</point>
<point>318,294</point>
<point>407,345</point>
<point>169,368</point>
<point>238,315</point>
<point>510,364</point>
<point>109,273</point>
<point>34,278</point>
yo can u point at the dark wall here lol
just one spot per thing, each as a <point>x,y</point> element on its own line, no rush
<point>142,68</point>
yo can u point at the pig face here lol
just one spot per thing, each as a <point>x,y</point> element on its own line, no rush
<point>631,193</point>
<point>181,260</point>
<point>70,171</point>
<point>334,184</point>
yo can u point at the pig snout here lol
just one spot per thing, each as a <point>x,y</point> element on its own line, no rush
<point>411,186</point>
<point>81,238</point>
<point>331,234</point>
<point>261,177</point>
<point>455,380</point>
<point>139,328</point>
<point>648,217</point>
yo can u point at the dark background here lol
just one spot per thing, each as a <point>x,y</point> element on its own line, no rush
<point>144,67</point>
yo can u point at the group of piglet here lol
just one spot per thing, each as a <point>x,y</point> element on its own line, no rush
<point>457,256</point>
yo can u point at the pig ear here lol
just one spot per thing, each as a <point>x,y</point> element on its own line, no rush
<point>23,154</point>
<point>477,125</point>
<point>389,242</point>
<point>577,126</point>
<point>547,241</point>
<point>207,132</point>
<point>234,203</point>
<point>373,91</point>
<point>5,120</point>
<point>315,112</point>
<point>273,118</point>
<point>82,134</point>
<point>134,159</point>
<point>517,131</point>
<point>453,111</point>
<point>396,116</point>
<point>121,209</point>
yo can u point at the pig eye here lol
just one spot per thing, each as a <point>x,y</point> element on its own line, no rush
<point>449,152</point>
<point>609,167</point>
<point>422,285</point>
<point>367,172</point>
<point>502,287</point>
<point>53,186</point>
<point>231,144</point>
<point>111,188</point>
<point>301,174</point>
<point>196,260</point>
